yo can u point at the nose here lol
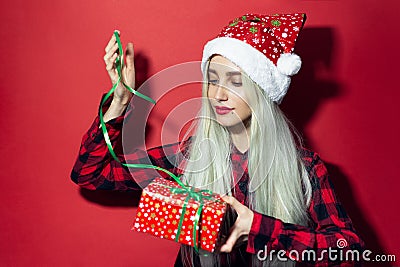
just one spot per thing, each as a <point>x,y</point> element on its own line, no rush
<point>221,93</point>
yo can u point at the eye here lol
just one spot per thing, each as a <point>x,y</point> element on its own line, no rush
<point>237,84</point>
<point>213,82</point>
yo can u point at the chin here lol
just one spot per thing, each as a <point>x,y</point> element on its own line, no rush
<point>229,123</point>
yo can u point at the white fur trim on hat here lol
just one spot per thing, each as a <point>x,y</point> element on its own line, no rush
<point>254,63</point>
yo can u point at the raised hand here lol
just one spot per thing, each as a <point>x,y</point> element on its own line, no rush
<point>122,95</point>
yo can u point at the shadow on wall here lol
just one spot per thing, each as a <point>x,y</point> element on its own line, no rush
<point>312,87</point>
<point>308,92</point>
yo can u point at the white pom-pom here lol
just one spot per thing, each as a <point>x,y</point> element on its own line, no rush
<point>289,64</point>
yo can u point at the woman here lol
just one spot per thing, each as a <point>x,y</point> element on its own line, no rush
<point>243,147</point>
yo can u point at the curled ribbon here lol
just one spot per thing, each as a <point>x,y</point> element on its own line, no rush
<point>197,195</point>
<point>120,64</point>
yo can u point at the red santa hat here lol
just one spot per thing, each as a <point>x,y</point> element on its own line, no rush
<point>262,46</point>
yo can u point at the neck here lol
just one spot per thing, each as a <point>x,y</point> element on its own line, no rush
<point>240,137</point>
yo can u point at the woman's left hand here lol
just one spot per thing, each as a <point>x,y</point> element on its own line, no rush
<point>242,225</point>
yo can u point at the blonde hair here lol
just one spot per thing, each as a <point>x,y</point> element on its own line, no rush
<point>279,185</point>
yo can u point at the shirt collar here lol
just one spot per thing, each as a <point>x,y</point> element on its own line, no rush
<point>236,151</point>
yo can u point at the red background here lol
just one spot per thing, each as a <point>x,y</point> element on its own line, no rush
<point>52,76</point>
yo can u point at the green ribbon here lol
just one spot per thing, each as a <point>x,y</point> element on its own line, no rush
<point>119,62</point>
<point>196,195</point>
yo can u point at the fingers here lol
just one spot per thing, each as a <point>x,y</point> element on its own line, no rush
<point>110,43</point>
<point>230,242</point>
<point>111,56</point>
<point>110,53</point>
<point>242,224</point>
<point>239,207</point>
<point>110,63</point>
<point>129,56</point>
<point>235,232</point>
<point>128,70</point>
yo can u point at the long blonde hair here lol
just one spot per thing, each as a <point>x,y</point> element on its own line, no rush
<point>279,185</point>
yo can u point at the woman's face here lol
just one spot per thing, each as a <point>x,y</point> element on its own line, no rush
<point>227,94</point>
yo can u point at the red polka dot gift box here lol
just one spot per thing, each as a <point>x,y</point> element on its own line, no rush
<point>186,215</point>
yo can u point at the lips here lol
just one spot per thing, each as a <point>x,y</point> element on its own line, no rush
<point>220,110</point>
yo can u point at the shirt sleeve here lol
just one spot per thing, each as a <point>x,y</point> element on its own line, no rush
<point>96,169</point>
<point>329,235</point>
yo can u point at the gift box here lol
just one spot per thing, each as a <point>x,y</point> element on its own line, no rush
<point>183,214</point>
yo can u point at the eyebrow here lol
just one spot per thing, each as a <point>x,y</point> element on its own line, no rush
<point>229,73</point>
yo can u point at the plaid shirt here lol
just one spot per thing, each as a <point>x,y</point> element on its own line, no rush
<point>96,169</point>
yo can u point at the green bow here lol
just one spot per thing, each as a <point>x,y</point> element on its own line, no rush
<point>197,195</point>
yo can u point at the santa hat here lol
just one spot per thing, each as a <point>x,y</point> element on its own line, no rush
<point>262,46</point>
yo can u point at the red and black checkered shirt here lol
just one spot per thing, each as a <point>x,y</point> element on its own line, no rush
<point>96,169</point>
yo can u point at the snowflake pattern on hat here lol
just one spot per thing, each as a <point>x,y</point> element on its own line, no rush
<point>262,46</point>
<point>271,35</point>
